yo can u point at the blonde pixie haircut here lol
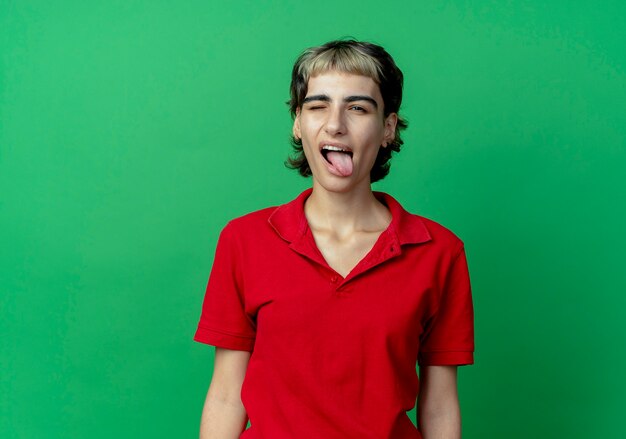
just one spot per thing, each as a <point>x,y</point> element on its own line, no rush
<point>355,57</point>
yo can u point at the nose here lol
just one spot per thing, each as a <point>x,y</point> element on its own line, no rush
<point>335,122</point>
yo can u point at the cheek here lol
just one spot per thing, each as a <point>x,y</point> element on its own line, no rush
<point>307,147</point>
<point>375,136</point>
<point>305,128</point>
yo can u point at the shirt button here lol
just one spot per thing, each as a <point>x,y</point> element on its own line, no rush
<point>334,279</point>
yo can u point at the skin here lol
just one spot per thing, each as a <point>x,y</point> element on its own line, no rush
<point>438,411</point>
<point>223,415</point>
<point>346,219</point>
<point>343,214</point>
<point>331,114</point>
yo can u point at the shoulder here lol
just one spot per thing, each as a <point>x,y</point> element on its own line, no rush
<point>417,229</point>
<point>441,235</point>
<point>251,219</point>
<point>251,223</point>
<point>283,222</point>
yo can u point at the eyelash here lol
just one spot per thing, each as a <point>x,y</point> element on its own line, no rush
<point>358,108</point>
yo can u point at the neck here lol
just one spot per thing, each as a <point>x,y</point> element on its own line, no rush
<point>346,212</point>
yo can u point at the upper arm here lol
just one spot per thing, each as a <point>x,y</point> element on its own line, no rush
<point>438,389</point>
<point>448,335</point>
<point>224,415</point>
<point>224,321</point>
<point>228,374</point>
<point>439,414</point>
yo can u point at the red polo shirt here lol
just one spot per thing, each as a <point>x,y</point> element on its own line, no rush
<point>334,357</point>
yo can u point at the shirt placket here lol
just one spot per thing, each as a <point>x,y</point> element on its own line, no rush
<point>386,247</point>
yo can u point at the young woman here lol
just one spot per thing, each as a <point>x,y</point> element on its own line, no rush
<point>319,309</point>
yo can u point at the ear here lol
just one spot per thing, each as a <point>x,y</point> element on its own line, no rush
<point>296,125</point>
<point>390,129</point>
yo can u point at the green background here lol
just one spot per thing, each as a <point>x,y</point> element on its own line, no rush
<point>132,131</point>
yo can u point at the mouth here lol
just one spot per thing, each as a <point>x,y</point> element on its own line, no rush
<point>338,158</point>
<point>326,149</point>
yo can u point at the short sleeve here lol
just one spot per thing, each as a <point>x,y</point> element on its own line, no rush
<point>224,322</point>
<point>448,338</point>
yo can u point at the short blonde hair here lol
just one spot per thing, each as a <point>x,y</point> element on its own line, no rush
<point>348,59</point>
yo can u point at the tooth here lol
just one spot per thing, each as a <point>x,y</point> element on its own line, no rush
<point>332,148</point>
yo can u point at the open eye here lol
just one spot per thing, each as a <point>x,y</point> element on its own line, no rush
<point>358,108</point>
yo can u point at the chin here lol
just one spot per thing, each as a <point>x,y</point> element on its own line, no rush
<point>341,185</point>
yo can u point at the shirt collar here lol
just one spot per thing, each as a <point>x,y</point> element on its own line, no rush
<point>290,222</point>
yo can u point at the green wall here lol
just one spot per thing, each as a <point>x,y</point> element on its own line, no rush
<point>131,131</point>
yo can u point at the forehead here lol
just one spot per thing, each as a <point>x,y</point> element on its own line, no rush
<point>342,84</point>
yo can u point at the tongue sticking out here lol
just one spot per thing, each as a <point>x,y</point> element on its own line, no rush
<point>341,162</point>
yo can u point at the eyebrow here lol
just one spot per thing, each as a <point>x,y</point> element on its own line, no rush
<point>355,98</point>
